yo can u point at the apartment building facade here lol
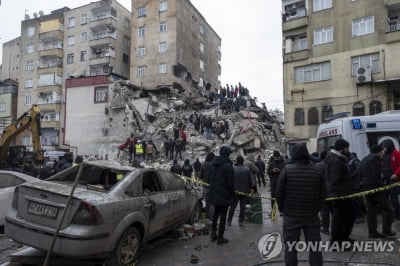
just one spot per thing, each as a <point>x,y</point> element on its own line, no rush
<point>172,44</point>
<point>88,41</point>
<point>338,56</point>
<point>10,62</point>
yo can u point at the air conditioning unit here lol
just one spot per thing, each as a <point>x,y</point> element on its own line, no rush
<point>364,74</point>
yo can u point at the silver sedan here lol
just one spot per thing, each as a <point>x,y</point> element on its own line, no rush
<point>114,210</point>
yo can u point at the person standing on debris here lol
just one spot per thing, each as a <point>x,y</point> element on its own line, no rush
<point>300,193</point>
<point>167,149</point>
<point>261,170</point>
<point>178,148</point>
<point>187,169</point>
<point>176,168</point>
<point>182,133</point>
<point>209,127</point>
<point>131,149</point>
<point>243,184</point>
<point>371,172</point>
<point>275,167</point>
<point>139,151</point>
<point>253,170</point>
<point>204,175</point>
<point>222,192</point>
<point>150,152</point>
<point>339,184</point>
<point>197,168</point>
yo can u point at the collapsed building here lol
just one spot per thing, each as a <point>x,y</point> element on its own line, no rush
<point>152,113</point>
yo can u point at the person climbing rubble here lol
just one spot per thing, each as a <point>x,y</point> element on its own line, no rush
<point>176,168</point>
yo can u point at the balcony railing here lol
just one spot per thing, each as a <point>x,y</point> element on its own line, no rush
<point>298,13</point>
<point>393,27</point>
<point>50,47</point>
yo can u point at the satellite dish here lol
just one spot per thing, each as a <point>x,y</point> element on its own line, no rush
<point>27,17</point>
<point>35,15</point>
<point>41,13</point>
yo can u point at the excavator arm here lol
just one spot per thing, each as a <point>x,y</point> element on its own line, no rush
<point>30,119</point>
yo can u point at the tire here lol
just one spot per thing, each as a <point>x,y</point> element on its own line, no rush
<point>127,249</point>
<point>195,216</point>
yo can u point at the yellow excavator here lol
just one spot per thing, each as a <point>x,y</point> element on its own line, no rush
<point>16,157</point>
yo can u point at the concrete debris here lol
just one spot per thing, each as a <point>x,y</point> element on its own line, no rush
<point>154,113</point>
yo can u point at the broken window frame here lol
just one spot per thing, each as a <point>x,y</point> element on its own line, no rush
<point>100,94</point>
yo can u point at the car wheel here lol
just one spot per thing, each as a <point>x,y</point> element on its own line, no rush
<point>127,249</point>
<point>195,216</point>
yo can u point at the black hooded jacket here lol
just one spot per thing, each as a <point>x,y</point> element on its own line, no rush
<point>301,188</point>
<point>371,170</point>
<point>222,191</point>
<point>338,174</point>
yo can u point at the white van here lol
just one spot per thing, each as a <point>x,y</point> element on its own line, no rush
<point>361,131</point>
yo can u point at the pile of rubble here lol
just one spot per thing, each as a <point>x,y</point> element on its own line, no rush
<point>153,113</point>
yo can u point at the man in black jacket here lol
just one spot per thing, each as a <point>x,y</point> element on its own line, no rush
<point>275,166</point>
<point>221,193</point>
<point>176,168</point>
<point>261,170</point>
<point>243,183</point>
<point>340,184</point>
<point>301,180</point>
<point>371,172</point>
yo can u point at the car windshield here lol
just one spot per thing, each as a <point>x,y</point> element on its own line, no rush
<point>93,177</point>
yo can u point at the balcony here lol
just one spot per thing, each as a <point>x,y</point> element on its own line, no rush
<point>295,23</point>
<point>51,53</point>
<point>50,124</point>
<point>51,36</point>
<point>296,56</point>
<point>51,69</point>
<point>48,89</point>
<point>50,106</point>
<point>103,23</point>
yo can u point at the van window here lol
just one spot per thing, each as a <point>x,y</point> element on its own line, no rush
<point>324,143</point>
<point>379,137</point>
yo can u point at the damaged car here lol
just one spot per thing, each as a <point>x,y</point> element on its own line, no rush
<point>115,209</point>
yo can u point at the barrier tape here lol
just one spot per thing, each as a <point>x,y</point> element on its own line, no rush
<point>275,204</point>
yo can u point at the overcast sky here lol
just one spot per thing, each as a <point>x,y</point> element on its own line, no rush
<point>250,32</point>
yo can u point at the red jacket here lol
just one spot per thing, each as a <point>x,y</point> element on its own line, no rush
<point>395,160</point>
<point>183,134</point>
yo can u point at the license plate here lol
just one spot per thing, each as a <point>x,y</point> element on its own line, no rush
<point>42,210</point>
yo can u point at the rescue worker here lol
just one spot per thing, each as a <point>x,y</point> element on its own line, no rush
<point>139,151</point>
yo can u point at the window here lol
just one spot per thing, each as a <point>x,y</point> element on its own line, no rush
<point>84,37</point>
<point>298,116</point>
<point>327,111</point>
<point>313,116</point>
<point>30,48</point>
<point>84,19</point>
<point>311,73</point>
<point>127,23</point>
<point>100,94</point>
<point>28,83</point>
<point>301,44</point>
<point>83,55</point>
<point>358,109</point>
<point>201,29</point>
<point>363,26</point>
<point>70,58</point>
<point>162,47</point>
<point>323,35</point>
<point>71,22</point>
<point>141,11</point>
<point>371,61</point>
<point>201,65</point>
<point>71,40</point>
<point>141,31</point>
<point>29,65</point>
<point>26,141</point>
<point>30,31</point>
<point>375,107</point>
<point>127,42</point>
<point>163,26</point>
<point>141,51</point>
<point>163,6</point>
<point>28,100</point>
<point>125,58</point>
<point>201,47</point>
<point>140,71</point>
<point>322,4</point>
<point>162,68</point>
<point>2,107</point>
